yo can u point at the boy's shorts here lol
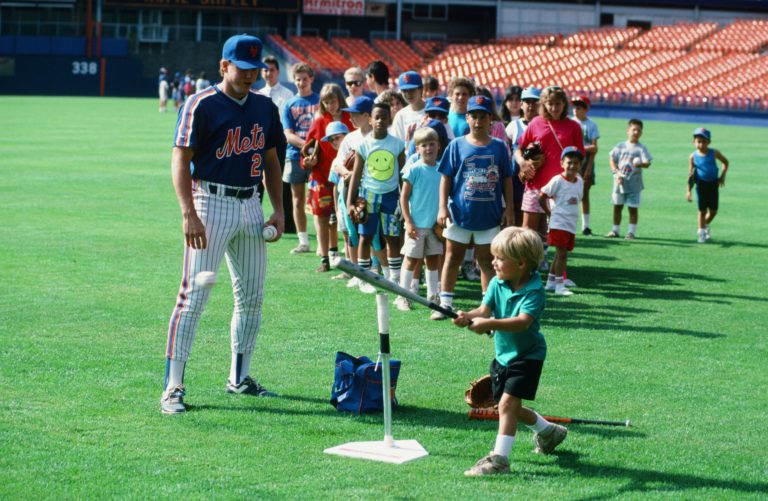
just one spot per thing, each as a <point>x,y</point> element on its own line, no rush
<point>708,195</point>
<point>520,378</point>
<point>531,201</point>
<point>320,199</point>
<point>594,173</point>
<point>381,214</point>
<point>293,173</point>
<point>458,234</point>
<point>631,199</point>
<point>561,238</point>
<point>426,244</point>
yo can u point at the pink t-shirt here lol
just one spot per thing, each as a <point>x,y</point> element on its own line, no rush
<point>568,133</point>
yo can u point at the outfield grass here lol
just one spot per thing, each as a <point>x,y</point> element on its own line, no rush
<point>662,331</point>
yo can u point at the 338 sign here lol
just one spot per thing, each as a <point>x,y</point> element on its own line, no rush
<point>85,67</point>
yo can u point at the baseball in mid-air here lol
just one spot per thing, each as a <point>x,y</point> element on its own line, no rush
<point>205,279</point>
<point>269,232</point>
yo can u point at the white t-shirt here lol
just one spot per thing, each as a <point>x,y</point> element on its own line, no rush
<point>405,123</point>
<point>351,142</point>
<point>278,94</point>
<point>566,196</point>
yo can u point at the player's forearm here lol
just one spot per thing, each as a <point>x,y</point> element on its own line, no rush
<point>182,179</point>
<point>293,139</point>
<point>514,324</point>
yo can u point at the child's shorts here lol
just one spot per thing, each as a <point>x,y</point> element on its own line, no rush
<point>520,378</point>
<point>708,195</point>
<point>426,244</point>
<point>381,214</point>
<point>293,173</point>
<point>458,234</point>
<point>320,199</point>
<point>561,238</point>
<point>631,199</point>
<point>531,201</point>
<point>594,173</point>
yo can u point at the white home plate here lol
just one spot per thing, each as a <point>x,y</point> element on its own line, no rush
<point>401,452</point>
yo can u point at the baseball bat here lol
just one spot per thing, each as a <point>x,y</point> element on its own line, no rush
<point>492,414</point>
<point>382,283</point>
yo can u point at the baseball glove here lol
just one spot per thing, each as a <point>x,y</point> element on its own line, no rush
<point>311,150</point>
<point>360,211</point>
<point>480,394</point>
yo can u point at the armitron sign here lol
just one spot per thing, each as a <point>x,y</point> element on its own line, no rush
<point>335,7</point>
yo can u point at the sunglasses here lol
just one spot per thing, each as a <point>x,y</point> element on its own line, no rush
<point>356,83</point>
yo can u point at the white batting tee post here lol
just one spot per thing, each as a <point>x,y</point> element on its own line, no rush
<point>382,311</point>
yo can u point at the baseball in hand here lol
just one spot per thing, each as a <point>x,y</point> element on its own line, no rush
<point>205,279</point>
<point>269,232</point>
<point>637,161</point>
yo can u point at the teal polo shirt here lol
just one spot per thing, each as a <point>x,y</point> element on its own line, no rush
<point>505,302</point>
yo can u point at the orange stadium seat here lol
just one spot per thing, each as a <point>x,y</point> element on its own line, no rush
<point>357,50</point>
<point>741,36</point>
<point>400,54</point>
<point>602,37</point>
<point>318,50</point>
<point>679,36</point>
<point>280,42</point>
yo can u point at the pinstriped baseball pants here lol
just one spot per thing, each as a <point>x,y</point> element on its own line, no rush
<point>233,229</point>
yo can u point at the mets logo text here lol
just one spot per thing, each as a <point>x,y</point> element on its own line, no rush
<point>235,145</point>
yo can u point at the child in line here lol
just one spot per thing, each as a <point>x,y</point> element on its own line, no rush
<point>376,177</point>
<point>476,178</point>
<point>419,201</point>
<point>591,133</point>
<point>513,307</point>
<point>702,171</point>
<point>628,159</point>
<point>566,192</point>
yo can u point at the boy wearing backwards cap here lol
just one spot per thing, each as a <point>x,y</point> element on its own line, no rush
<point>702,171</point>
<point>591,133</point>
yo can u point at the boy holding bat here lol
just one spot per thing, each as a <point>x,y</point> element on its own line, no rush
<point>513,306</point>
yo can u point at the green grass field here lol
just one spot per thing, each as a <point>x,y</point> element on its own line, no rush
<point>662,331</point>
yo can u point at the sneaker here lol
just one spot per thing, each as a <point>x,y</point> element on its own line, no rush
<point>342,276</point>
<point>569,283</point>
<point>335,258</point>
<point>172,401</point>
<point>563,291</point>
<point>550,287</point>
<point>612,234</point>
<point>300,249</point>
<point>492,464</point>
<point>249,386</point>
<point>323,268</point>
<point>366,288</point>
<point>434,298</point>
<point>439,315</point>
<point>469,272</point>
<point>702,238</point>
<point>587,232</point>
<point>707,235</point>
<point>630,236</point>
<point>353,282</point>
<point>403,304</point>
<point>545,444</point>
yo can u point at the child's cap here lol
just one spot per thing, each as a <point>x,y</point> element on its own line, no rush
<point>409,80</point>
<point>437,103</point>
<point>702,132</point>
<point>531,93</point>
<point>361,104</point>
<point>439,127</point>
<point>333,129</point>
<point>583,100</point>
<point>479,103</point>
<point>571,150</point>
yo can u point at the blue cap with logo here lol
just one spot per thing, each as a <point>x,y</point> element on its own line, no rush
<point>479,103</point>
<point>244,51</point>
<point>437,103</point>
<point>531,93</point>
<point>702,132</point>
<point>361,104</point>
<point>333,129</point>
<point>571,150</point>
<point>409,80</point>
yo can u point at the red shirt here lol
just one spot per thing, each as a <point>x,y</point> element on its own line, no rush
<point>327,154</point>
<point>568,133</point>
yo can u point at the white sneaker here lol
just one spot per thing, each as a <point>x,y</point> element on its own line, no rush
<point>702,238</point>
<point>434,298</point>
<point>172,400</point>
<point>569,283</point>
<point>439,315</point>
<point>335,259</point>
<point>550,286</point>
<point>707,235</point>
<point>353,282</point>
<point>563,291</point>
<point>366,288</point>
<point>403,304</point>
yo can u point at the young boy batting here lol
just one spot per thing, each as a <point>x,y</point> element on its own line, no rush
<point>703,172</point>
<point>513,307</point>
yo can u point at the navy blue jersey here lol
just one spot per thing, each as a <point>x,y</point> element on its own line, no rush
<point>229,139</point>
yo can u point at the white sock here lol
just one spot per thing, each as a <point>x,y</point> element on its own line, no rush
<point>406,279</point>
<point>384,271</point>
<point>433,286</point>
<point>584,221</point>
<point>446,299</point>
<point>550,279</point>
<point>504,445</point>
<point>617,228</point>
<point>240,367</point>
<point>559,283</point>
<point>303,238</point>
<point>175,373</point>
<point>632,229</point>
<point>540,425</point>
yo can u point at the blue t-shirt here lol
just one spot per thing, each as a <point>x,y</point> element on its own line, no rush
<point>505,302</point>
<point>706,167</point>
<point>477,182</point>
<point>458,123</point>
<point>425,194</point>
<point>591,132</point>
<point>382,171</point>
<point>297,114</point>
<point>229,139</point>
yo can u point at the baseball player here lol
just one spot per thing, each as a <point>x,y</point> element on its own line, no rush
<point>225,144</point>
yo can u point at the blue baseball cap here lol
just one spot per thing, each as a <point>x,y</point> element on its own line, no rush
<point>479,103</point>
<point>245,51</point>
<point>409,80</point>
<point>531,93</point>
<point>701,131</point>
<point>437,103</point>
<point>361,104</point>
<point>439,127</point>
<point>333,129</point>
<point>571,150</point>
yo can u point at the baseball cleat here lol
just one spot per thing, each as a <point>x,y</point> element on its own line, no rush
<point>172,400</point>
<point>492,464</point>
<point>545,444</point>
<point>249,386</point>
<point>403,304</point>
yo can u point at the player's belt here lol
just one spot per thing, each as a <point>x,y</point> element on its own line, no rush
<point>231,192</point>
